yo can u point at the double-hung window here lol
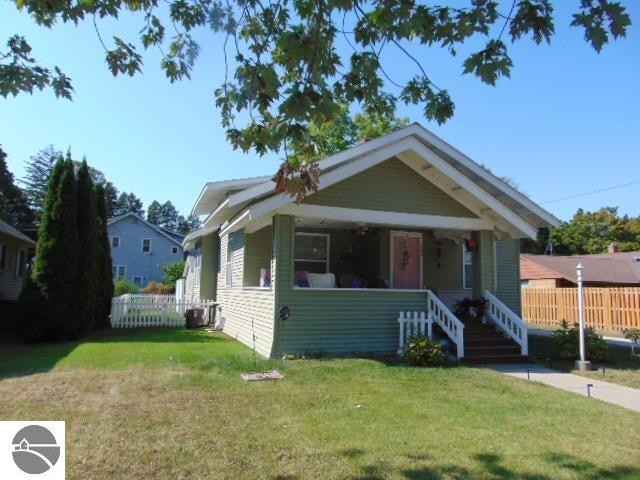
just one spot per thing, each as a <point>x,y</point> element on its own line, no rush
<point>20,264</point>
<point>229,265</point>
<point>312,252</point>
<point>115,242</point>
<point>146,245</point>
<point>118,271</point>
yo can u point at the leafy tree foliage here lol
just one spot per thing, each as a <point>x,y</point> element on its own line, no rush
<point>285,64</point>
<point>166,216</point>
<point>103,260</point>
<point>171,272</point>
<point>14,206</point>
<point>110,198</point>
<point>592,232</point>
<point>128,203</point>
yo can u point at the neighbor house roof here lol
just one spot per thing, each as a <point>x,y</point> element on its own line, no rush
<point>174,237</point>
<point>236,202</point>
<point>15,233</point>
<point>614,268</point>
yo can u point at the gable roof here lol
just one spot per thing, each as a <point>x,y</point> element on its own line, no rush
<point>414,145</point>
<point>14,232</point>
<point>173,237</point>
<point>614,268</point>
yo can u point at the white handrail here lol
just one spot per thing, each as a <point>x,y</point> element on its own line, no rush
<point>508,321</point>
<point>452,326</point>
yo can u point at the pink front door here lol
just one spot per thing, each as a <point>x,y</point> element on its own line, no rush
<point>406,251</point>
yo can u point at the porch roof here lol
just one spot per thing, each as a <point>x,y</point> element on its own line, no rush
<point>254,201</point>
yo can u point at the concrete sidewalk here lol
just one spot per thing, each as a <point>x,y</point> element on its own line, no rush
<point>607,392</point>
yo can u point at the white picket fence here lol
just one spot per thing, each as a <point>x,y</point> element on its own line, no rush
<point>139,310</point>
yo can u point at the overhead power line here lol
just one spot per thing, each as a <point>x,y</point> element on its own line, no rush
<point>605,189</point>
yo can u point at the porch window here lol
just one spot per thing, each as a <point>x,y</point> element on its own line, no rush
<point>467,267</point>
<point>20,264</point>
<point>312,252</point>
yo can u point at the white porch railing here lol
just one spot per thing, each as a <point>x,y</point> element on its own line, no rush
<point>419,323</point>
<point>452,326</point>
<point>507,321</point>
<point>132,311</point>
<point>411,325</point>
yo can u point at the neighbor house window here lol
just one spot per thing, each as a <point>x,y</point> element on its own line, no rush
<point>115,242</point>
<point>3,256</point>
<point>197,263</point>
<point>20,264</point>
<point>467,267</point>
<point>146,245</point>
<point>174,250</point>
<point>137,280</point>
<point>312,252</point>
<point>118,271</point>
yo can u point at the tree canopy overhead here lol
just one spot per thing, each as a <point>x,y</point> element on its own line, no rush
<point>286,64</point>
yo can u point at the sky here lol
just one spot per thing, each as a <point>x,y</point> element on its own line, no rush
<point>566,123</point>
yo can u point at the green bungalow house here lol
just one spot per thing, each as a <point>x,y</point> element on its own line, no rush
<point>401,228</point>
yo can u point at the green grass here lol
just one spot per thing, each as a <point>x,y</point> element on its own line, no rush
<point>170,404</point>
<point>621,366</point>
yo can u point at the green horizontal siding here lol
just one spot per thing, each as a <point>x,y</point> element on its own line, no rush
<point>342,321</point>
<point>508,273</point>
<point>390,186</point>
<point>257,255</point>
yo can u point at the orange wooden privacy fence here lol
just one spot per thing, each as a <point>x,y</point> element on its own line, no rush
<point>607,309</point>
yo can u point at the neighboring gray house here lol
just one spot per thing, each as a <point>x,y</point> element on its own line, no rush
<point>15,250</point>
<point>401,223</point>
<point>139,249</point>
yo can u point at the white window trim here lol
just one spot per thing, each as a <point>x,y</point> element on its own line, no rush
<point>142,245</point>
<point>112,239</point>
<point>117,277</point>
<point>141,280</point>
<point>464,271</point>
<point>197,263</point>
<point>395,233</point>
<point>20,263</point>
<point>228,268</point>
<point>309,234</point>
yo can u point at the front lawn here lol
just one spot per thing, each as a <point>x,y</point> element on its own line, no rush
<point>621,367</point>
<point>170,404</point>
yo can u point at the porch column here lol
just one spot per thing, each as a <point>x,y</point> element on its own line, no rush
<point>282,255</point>
<point>483,263</point>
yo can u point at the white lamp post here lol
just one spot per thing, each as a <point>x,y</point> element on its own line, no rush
<point>583,363</point>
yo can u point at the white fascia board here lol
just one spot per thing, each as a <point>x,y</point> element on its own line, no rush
<point>382,218</point>
<point>329,162</point>
<point>502,210</point>
<point>508,190</point>
<point>237,223</point>
<point>220,207</point>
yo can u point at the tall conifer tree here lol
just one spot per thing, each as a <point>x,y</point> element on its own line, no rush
<point>103,270</point>
<point>87,281</point>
